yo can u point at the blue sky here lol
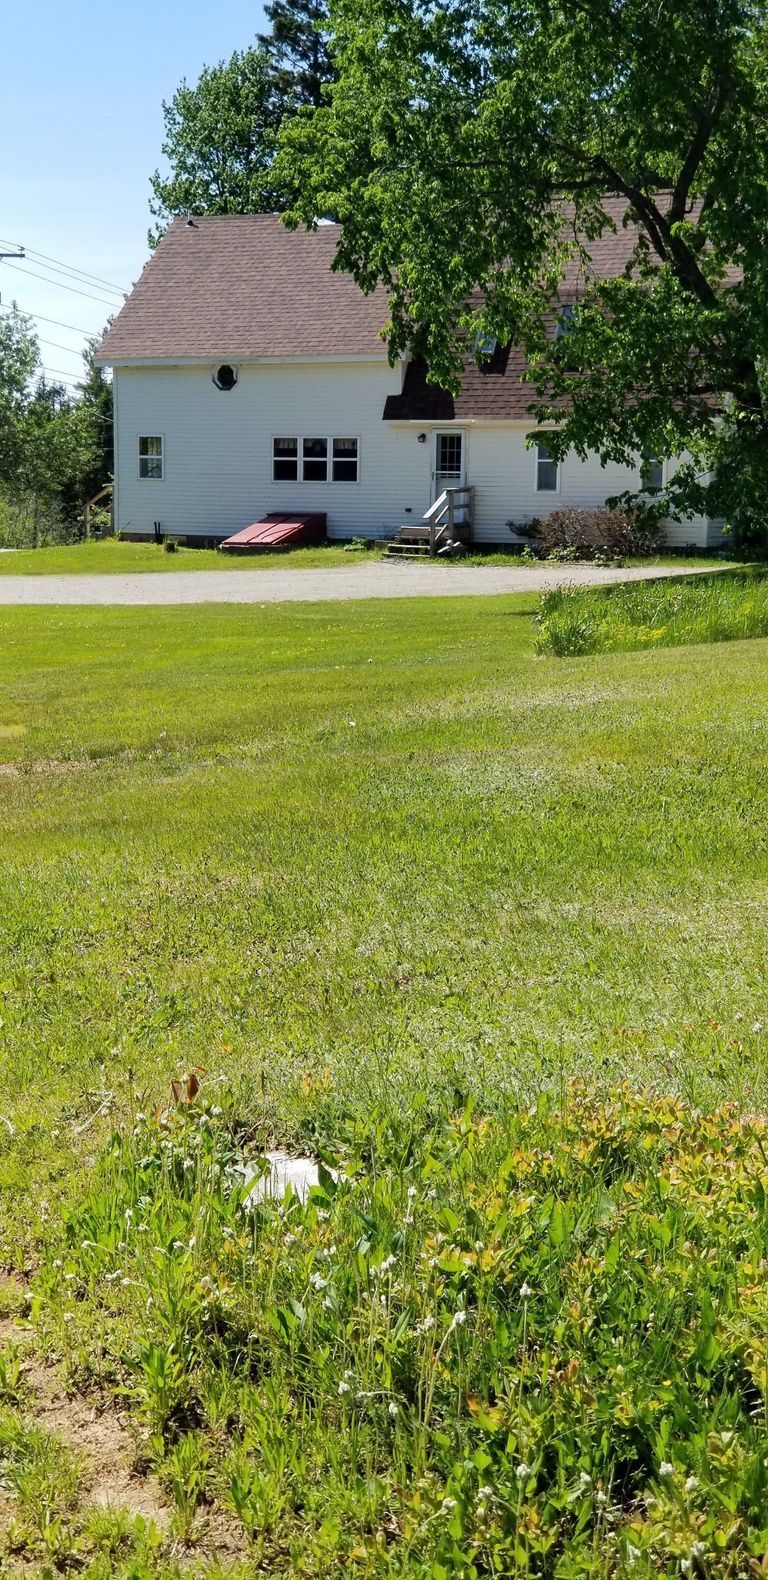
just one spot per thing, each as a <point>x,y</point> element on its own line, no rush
<point>80,134</point>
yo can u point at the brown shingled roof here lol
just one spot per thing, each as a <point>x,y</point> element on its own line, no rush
<point>239,287</point>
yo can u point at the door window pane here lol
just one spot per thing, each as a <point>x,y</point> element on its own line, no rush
<point>449,455</point>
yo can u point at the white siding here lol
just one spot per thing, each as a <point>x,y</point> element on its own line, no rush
<point>218,456</point>
<point>218,448</point>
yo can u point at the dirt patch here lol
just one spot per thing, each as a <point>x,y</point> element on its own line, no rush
<point>95,1431</point>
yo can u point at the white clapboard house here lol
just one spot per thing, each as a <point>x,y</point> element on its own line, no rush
<point>252,380</point>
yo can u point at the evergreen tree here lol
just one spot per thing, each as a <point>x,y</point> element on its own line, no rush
<point>297,47</point>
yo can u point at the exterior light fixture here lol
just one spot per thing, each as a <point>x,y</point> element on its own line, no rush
<point>422,438</point>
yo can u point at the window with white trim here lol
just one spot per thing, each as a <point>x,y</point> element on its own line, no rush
<point>151,457</point>
<point>547,469</point>
<point>652,475</point>
<point>316,458</point>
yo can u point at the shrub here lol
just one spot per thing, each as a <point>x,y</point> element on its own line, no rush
<point>171,545</point>
<point>608,533</point>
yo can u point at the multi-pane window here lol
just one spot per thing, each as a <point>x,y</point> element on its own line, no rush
<point>315,459</point>
<point>150,457</point>
<point>546,469</point>
<point>652,476</point>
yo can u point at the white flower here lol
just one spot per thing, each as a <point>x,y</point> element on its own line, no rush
<point>393,1410</point>
<point>633,1553</point>
<point>143,1228</point>
<point>523,1472</point>
<point>412,1191</point>
<point>178,1245</point>
<point>600,1499</point>
<point>699,1550</point>
<point>691,1483</point>
<point>317,1282</point>
<point>344,1389</point>
<point>525,1291</point>
<point>448,1505</point>
<point>757,1028</point>
<point>485,1492</point>
<point>68,1316</point>
<point>188,1164</point>
<point>665,1469</point>
<point>585,1481</point>
<point>459,1319</point>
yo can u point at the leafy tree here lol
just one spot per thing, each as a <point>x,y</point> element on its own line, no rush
<point>297,48</point>
<point>19,360</point>
<point>220,139</point>
<point>469,149</point>
<point>96,403</point>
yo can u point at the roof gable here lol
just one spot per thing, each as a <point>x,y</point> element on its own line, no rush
<point>239,287</point>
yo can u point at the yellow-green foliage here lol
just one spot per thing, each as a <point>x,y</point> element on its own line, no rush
<point>718,608</point>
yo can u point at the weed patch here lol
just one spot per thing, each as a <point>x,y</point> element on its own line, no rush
<point>724,607</point>
<point>535,1346</point>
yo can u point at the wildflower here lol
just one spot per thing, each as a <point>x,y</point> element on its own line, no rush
<point>525,1291</point>
<point>691,1484</point>
<point>288,1239</point>
<point>192,1242</point>
<point>188,1164</point>
<point>426,1325</point>
<point>699,1550</point>
<point>459,1319</point>
<point>757,1028</point>
<point>143,1228</point>
<point>600,1499</point>
<point>665,1469</point>
<point>393,1412</point>
<point>125,1282</point>
<point>178,1245</point>
<point>412,1191</point>
<point>448,1505</point>
<point>69,1316</point>
<point>344,1389</point>
<point>57,1262</point>
<point>523,1472</point>
<point>217,1112</point>
<point>633,1553</point>
<point>585,1481</point>
<point>89,1245</point>
<point>317,1282</point>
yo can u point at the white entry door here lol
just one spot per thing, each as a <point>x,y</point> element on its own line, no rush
<point>449,461</point>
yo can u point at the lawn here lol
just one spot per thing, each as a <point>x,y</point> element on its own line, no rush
<point>394,884</point>
<point>109,556</point>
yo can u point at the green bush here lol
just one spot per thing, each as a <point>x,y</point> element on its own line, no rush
<point>720,607</point>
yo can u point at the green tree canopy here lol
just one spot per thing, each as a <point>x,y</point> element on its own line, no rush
<point>468,148</point>
<point>221,132</point>
<point>220,139</point>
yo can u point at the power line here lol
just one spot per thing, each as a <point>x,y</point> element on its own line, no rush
<point>59,284</point>
<point>66,268</point>
<point>41,318</point>
<point>72,351</point>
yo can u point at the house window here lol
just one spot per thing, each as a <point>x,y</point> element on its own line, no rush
<point>319,459</point>
<point>285,460</point>
<point>652,475</point>
<point>345,460</point>
<point>314,467</point>
<point>150,457</point>
<point>566,319</point>
<point>546,470</point>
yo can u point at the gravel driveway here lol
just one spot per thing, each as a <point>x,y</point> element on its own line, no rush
<point>383,579</point>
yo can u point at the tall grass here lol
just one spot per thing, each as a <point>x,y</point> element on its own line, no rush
<point>726,607</point>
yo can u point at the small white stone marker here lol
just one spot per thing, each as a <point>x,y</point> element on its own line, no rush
<point>300,1173</point>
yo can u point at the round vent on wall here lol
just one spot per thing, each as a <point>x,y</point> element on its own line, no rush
<point>225,377</point>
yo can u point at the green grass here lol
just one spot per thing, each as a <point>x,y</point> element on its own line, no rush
<point>371,866</point>
<point>111,557</point>
<point>728,607</point>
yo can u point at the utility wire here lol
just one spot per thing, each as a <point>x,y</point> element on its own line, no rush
<point>41,318</point>
<point>66,268</point>
<point>59,284</point>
